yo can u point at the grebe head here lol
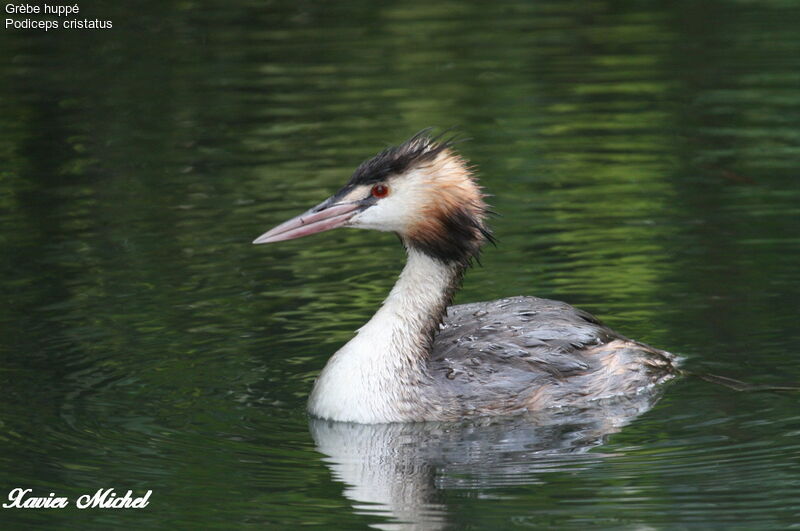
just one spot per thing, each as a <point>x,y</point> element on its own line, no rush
<point>422,190</point>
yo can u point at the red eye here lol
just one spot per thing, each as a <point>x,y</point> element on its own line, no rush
<point>380,190</point>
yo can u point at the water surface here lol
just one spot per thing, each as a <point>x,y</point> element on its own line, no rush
<point>643,157</point>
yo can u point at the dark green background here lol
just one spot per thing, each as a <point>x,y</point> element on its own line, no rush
<point>643,157</point>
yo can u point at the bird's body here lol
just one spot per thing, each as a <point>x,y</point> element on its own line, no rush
<point>547,353</point>
<point>418,359</point>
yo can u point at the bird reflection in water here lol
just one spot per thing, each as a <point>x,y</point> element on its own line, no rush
<point>399,471</point>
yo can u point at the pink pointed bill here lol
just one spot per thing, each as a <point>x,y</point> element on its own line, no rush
<point>311,222</point>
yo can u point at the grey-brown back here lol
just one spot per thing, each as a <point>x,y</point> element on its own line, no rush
<point>526,353</point>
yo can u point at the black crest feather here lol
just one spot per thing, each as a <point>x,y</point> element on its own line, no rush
<point>397,159</point>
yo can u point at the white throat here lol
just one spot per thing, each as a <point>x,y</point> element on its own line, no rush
<point>378,375</point>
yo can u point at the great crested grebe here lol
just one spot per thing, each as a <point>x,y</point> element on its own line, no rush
<point>417,359</point>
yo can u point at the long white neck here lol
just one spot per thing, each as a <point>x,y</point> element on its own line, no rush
<point>379,375</point>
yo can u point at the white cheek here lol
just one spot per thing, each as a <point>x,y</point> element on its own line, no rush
<point>386,215</point>
<point>395,212</point>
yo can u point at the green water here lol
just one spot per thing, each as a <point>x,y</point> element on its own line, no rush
<point>643,157</point>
